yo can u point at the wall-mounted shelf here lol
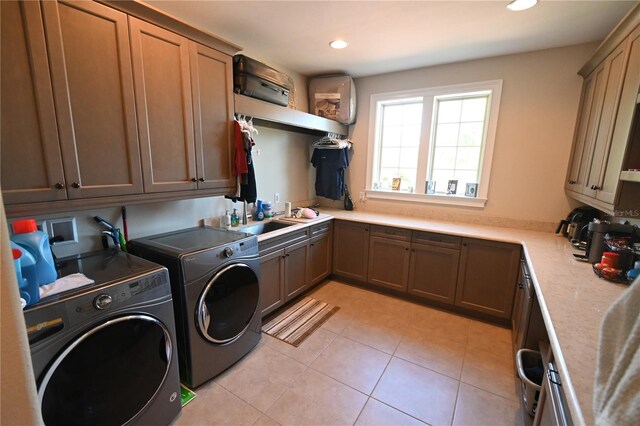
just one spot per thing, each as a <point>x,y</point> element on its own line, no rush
<point>629,176</point>
<point>290,117</point>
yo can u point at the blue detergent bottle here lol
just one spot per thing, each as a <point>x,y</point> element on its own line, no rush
<point>26,273</point>
<point>259,211</point>
<point>26,235</point>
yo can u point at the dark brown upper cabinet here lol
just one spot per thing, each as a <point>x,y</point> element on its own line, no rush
<point>31,159</point>
<point>88,46</point>
<point>212,89</point>
<point>163,102</point>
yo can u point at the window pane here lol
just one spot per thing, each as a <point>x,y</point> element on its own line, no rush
<point>412,114</point>
<point>408,177</point>
<point>468,158</point>
<point>411,136</point>
<point>447,134</point>
<point>470,134</point>
<point>391,136</point>
<point>392,115</point>
<point>473,109</point>
<point>449,111</point>
<point>390,157</point>
<point>444,158</point>
<point>408,157</point>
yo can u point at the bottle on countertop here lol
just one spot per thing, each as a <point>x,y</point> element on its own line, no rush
<point>26,274</point>
<point>259,211</point>
<point>266,208</point>
<point>36,242</point>
<point>226,220</point>
<point>235,220</point>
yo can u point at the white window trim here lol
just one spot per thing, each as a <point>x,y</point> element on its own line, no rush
<point>425,143</point>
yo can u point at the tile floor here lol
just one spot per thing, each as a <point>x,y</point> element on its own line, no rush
<point>377,361</point>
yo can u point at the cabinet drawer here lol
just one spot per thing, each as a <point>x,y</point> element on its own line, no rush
<point>435,239</point>
<point>272,244</point>
<point>393,233</point>
<point>319,229</point>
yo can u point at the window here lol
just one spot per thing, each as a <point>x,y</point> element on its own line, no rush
<point>430,143</point>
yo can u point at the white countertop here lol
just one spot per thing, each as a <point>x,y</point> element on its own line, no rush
<point>572,299</point>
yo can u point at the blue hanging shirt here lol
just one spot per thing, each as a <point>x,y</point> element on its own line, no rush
<point>330,165</point>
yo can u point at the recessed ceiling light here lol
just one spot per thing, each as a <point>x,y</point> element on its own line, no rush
<point>338,44</point>
<point>517,5</point>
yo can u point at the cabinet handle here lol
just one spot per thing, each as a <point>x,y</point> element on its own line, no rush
<point>596,187</point>
<point>194,180</point>
<point>312,244</point>
<point>283,256</point>
<point>572,182</point>
<point>201,179</point>
<point>413,250</point>
<point>406,249</point>
<point>288,254</point>
<point>464,244</point>
<point>366,229</point>
<point>59,185</point>
<point>75,185</point>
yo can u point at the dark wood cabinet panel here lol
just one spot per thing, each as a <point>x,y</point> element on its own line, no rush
<point>93,88</point>
<point>164,106</point>
<point>320,258</point>
<point>351,250</point>
<point>212,89</point>
<point>271,281</point>
<point>296,277</point>
<point>31,158</point>
<point>487,276</point>
<point>433,272</point>
<point>389,263</point>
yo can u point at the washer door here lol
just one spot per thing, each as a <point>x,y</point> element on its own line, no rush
<point>108,375</point>
<point>228,303</point>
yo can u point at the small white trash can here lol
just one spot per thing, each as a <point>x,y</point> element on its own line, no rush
<point>526,360</point>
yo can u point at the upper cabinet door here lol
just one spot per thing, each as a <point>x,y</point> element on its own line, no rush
<point>31,161</point>
<point>608,190</point>
<point>163,103</point>
<point>212,91</point>
<point>614,73</point>
<point>93,88</point>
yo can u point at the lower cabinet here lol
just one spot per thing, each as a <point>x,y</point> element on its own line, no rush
<point>271,281</point>
<point>388,263</point>
<point>296,279</point>
<point>320,252</point>
<point>433,272</point>
<point>351,250</point>
<point>487,276</point>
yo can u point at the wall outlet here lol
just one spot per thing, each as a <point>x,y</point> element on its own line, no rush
<point>276,198</point>
<point>64,227</point>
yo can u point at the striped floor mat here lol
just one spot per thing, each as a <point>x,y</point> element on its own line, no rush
<point>299,321</point>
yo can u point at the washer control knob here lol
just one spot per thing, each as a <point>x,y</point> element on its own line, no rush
<point>227,252</point>
<point>102,302</point>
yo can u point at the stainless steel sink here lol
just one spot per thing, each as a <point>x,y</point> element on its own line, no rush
<point>263,228</point>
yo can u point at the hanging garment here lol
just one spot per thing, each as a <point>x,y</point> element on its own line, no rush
<point>330,165</point>
<point>240,159</point>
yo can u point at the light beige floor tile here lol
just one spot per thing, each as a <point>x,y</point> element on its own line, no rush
<point>316,399</point>
<point>216,405</point>
<point>380,331</point>
<point>422,393</point>
<point>478,407</point>
<point>340,320</point>
<point>352,363</point>
<point>441,323</point>
<point>308,350</point>
<point>491,338</point>
<point>432,351</point>
<point>261,377</point>
<point>266,421</point>
<point>491,372</point>
<point>375,413</point>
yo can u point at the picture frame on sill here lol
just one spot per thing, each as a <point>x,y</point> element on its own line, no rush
<point>452,187</point>
<point>430,187</point>
<point>395,184</point>
<point>471,190</point>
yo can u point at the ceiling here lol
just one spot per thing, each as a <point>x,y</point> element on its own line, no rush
<point>386,36</point>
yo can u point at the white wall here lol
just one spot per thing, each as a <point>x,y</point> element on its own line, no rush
<point>540,97</point>
<point>282,165</point>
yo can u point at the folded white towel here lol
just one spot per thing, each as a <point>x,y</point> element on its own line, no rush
<point>65,283</point>
<point>617,383</point>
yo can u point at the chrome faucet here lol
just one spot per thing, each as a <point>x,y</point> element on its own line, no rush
<point>245,216</point>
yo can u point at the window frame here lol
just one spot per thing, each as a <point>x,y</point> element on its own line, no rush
<point>427,133</point>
